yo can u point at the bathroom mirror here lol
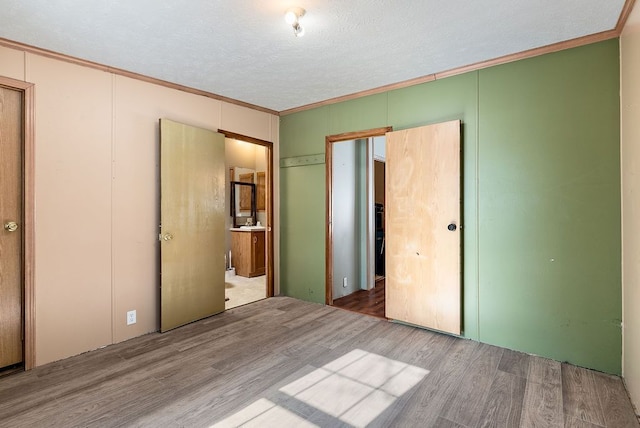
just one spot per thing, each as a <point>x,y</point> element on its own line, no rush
<point>243,203</point>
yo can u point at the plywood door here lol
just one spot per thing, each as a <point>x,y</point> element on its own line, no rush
<point>11,305</point>
<point>192,175</point>
<point>422,205</point>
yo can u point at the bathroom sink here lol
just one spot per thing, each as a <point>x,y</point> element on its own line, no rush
<point>252,227</point>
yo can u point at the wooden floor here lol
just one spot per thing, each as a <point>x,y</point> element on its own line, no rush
<point>370,302</point>
<point>286,363</point>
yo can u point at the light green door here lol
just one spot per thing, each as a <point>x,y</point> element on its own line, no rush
<point>192,209</point>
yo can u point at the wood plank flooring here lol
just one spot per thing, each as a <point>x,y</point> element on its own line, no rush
<point>287,363</point>
<point>370,302</point>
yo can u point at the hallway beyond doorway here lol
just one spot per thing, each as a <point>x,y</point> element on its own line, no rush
<point>369,302</point>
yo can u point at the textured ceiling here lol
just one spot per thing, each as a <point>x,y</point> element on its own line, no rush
<point>243,49</point>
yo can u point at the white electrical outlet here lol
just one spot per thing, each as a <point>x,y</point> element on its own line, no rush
<point>131,317</point>
<point>344,282</point>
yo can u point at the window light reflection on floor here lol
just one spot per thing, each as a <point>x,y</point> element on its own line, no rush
<point>355,389</point>
<point>264,413</point>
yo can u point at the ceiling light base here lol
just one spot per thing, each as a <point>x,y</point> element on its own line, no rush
<point>292,17</point>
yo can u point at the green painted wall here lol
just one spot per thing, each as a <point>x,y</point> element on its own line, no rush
<point>541,198</point>
<point>549,206</point>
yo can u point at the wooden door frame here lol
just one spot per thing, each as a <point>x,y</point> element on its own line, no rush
<point>329,141</point>
<point>269,202</point>
<point>28,233</point>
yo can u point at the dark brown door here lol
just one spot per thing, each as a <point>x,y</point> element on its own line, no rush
<point>11,242</point>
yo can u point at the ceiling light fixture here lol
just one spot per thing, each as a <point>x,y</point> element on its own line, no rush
<point>292,16</point>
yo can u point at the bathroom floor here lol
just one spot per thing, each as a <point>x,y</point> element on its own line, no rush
<point>241,290</point>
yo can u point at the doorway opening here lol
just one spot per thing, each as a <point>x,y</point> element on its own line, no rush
<point>195,211</point>
<point>248,230</point>
<point>420,239</point>
<point>355,221</point>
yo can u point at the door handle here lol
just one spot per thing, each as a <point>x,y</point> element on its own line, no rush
<point>11,226</point>
<point>452,227</point>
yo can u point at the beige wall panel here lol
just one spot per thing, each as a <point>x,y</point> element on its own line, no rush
<point>11,63</point>
<point>630,152</point>
<point>73,208</point>
<point>138,106</point>
<point>243,120</point>
<point>97,196</point>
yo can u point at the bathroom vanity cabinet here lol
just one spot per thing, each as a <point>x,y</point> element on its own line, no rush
<point>247,251</point>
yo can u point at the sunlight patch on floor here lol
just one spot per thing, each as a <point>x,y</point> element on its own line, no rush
<point>264,413</point>
<point>354,389</point>
<point>357,387</point>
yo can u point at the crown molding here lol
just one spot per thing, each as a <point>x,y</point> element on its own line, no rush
<point>556,47</point>
<point>114,70</point>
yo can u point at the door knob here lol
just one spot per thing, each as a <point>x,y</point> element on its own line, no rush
<point>452,227</point>
<point>11,226</point>
<point>167,237</point>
